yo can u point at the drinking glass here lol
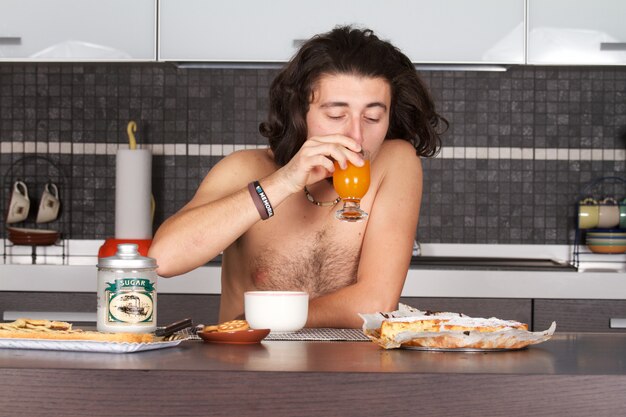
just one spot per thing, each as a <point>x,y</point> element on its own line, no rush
<point>351,184</point>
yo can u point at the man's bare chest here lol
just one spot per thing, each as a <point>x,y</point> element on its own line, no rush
<point>318,260</point>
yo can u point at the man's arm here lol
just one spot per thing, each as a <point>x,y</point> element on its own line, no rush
<point>222,209</point>
<point>218,214</point>
<point>387,245</point>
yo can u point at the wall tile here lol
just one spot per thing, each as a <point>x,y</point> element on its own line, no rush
<point>521,147</point>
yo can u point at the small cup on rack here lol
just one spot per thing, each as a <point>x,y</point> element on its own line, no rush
<point>608,213</point>
<point>49,205</point>
<point>19,205</point>
<point>622,214</point>
<point>588,214</point>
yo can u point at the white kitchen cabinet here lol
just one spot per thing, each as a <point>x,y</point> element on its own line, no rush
<point>586,32</point>
<point>77,30</point>
<point>428,31</point>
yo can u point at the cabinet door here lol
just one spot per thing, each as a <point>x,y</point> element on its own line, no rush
<point>580,315</point>
<point>200,308</point>
<point>77,30</point>
<point>428,31</point>
<point>577,33</point>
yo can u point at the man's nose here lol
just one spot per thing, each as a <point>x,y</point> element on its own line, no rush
<point>356,131</point>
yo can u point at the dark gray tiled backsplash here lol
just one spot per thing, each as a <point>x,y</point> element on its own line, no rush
<point>466,200</point>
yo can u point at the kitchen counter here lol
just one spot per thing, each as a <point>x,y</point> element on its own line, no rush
<point>573,374</point>
<point>419,282</point>
<point>443,270</point>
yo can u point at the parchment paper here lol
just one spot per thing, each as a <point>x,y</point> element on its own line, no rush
<point>504,339</point>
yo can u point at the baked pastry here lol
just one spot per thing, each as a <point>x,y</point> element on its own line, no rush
<point>410,327</point>
<point>59,330</point>
<point>440,322</point>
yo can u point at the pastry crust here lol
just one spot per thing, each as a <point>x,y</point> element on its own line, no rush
<point>57,330</point>
<point>410,327</point>
<point>446,322</point>
<point>449,322</point>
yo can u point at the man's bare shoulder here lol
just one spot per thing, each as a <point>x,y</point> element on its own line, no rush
<point>247,159</point>
<point>242,165</point>
<point>397,153</point>
<point>234,172</point>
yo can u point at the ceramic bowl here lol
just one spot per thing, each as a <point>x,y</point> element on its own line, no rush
<point>607,248</point>
<point>606,242</point>
<point>243,337</point>
<point>32,237</point>
<point>606,235</point>
<point>279,311</point>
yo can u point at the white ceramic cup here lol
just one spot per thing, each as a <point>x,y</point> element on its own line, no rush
<point>279,311</point>
<point>19,205</point>
<point>49,204</point>
<point>608,214</point>
<point>588,214</point>
<point>622,214</point>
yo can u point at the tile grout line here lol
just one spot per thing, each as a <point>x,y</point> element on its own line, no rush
<point>448,152</point>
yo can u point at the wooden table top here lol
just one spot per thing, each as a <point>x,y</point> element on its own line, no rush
<point>565,353</point>
<point>572,374</point>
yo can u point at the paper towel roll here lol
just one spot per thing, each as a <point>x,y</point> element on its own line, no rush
<point>133,190</point>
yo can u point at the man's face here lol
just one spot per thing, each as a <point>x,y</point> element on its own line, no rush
<point>353,106</point>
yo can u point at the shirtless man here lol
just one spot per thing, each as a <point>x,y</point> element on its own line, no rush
<point>344,91</point>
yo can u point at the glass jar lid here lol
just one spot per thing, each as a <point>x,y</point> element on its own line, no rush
<point>127,256</point>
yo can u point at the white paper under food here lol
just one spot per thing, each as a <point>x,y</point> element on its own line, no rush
<point>84,345</point>
<point>504,339</point>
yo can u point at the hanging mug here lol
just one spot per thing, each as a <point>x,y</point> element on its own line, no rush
<point>49,204</point>
<point>19,205</point>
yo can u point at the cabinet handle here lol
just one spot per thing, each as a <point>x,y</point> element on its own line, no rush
<point>10,40</point>
<point>613,46</point>
<point>617,323</point>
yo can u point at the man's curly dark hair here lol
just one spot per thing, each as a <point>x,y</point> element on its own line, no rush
<point>346,50</point>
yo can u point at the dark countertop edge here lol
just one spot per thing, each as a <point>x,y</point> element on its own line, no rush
<point>469,263</point>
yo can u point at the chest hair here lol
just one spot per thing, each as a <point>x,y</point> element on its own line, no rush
<point>318,266</point>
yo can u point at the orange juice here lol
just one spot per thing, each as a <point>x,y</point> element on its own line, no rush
<point>352,182</point>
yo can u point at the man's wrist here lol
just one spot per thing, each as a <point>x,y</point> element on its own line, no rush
<point>261,201</point>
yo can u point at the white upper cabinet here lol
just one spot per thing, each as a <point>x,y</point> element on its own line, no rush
<point>585,32</point>
<point>77,30</point>
<point>428,31</point>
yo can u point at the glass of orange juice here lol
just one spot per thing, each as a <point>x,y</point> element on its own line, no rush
<point>351,184</point>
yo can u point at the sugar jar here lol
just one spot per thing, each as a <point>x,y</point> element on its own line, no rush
<point>127,295</point>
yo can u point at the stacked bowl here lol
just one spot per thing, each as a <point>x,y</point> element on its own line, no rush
<point>32,237</point>
<point>606,242</point>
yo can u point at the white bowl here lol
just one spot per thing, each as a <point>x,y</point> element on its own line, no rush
<point>613,235</point>
<point>279,311</point>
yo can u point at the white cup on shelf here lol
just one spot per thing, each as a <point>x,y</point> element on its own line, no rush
<point>49,204</point>
<point>19,204</point>
<point>608,214</point>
